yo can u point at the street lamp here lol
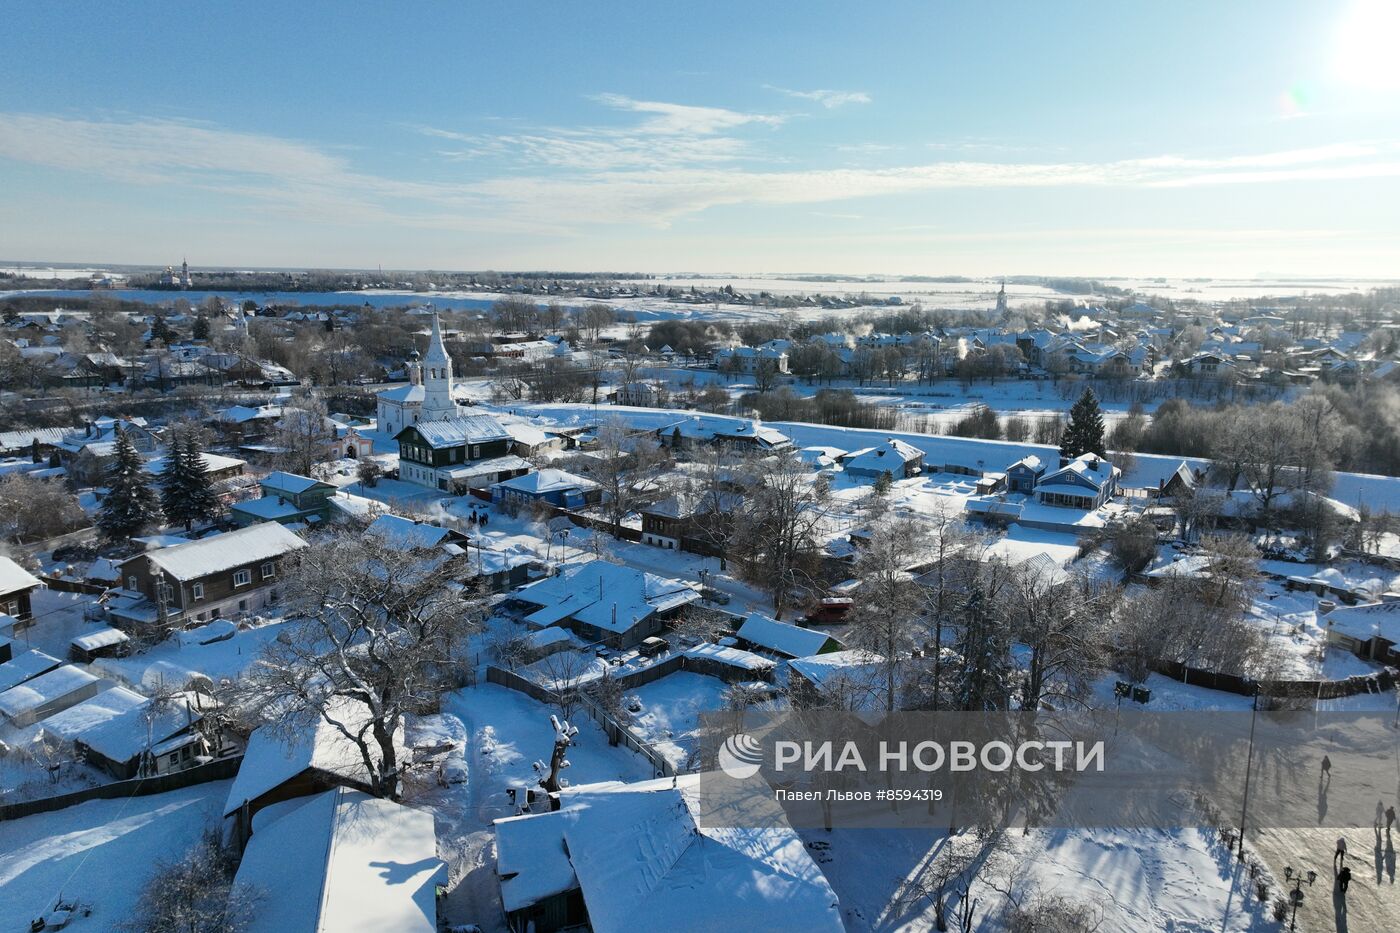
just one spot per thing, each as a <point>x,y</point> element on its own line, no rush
<point>1295,897</point>
<point>1249,759</point>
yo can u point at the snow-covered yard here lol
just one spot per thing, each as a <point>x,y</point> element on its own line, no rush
<point>100,852</point>
<point>669,718</point>
<point>501,733</point>
<point>1135,881</point>
<point>172,663</point>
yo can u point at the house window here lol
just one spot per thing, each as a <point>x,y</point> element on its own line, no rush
<point>174,758</point>
<point>242,577</point>
<point>197,590</point>
<point>476,451</point>
<point>131,583</point>
<point>268,570</point>
<point>243,605</point>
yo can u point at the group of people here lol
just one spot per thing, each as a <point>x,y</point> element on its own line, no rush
<point>1339,857</point>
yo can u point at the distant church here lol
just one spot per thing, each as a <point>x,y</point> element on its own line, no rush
<point>172,279</point>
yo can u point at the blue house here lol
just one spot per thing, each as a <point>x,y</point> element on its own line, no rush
<point>1086,482</point>
<point>1024,474</point>
<point>555,487</point>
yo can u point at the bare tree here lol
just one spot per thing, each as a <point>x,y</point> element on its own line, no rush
<point>31,509</point>
<point>886,621</point>
<point>1063,624</point>
<point>303,436</point>
<point>950,545</point>
<point>564,735</point>
<point>379,631</point>
<point>195,893</point>
<point>563,673</point>
<point>624,467</point>
<point>777,529</point>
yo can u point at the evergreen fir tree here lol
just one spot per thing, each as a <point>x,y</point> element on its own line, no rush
<point>186,493</point>
<point>1084,433</point>
<point>130,505</point>
<point>162,332</point>
<point>200,330</point>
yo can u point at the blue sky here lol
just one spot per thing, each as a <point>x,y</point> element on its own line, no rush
<point>1188,138</point>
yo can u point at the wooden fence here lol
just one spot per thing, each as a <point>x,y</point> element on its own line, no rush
<point>61,585</point>
<point>218,770</point>
<point>1379,682</point>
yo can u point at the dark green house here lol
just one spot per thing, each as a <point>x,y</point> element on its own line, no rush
<point>286,498</point>
<point>457,454</point>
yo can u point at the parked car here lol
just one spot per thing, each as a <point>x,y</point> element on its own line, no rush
<point>653,646</point>
<point>831,610</point>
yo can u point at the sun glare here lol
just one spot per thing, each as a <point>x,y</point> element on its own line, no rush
<point>1366,45</point>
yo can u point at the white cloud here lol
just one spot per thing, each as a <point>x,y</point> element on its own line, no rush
<point>560,182</point>
<point>827,98</point>
<point>676,119</point>
<point>670,135</point>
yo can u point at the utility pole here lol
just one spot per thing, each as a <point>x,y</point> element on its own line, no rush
<point>1249,763</point>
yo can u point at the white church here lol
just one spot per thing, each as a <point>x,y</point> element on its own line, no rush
<point>408,404</point>
<point>444,445</point>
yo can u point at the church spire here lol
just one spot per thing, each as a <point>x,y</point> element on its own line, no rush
<point>436,372</point>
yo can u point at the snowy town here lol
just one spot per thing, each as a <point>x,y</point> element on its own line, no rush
<point>467,625</point>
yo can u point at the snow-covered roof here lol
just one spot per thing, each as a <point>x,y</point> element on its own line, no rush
<point>405,533</point>
<point>13,577</point>
<point>608,596</point>
<point>269,761</point>
<point>524,433</point>
<point>821,668</point>
<point>546,481</point>
<point>238,548</point>
<point>410,392</point>
<point>465,429</point>
<point>268,508</point>
<point>292,484</point>
<point>15,440</point>
<point>546,637</point>
<point>706,427</point>
<point>782,637</point>
<point>103,637</point>
<point>686,503</point>
<point>361,865</point>
<point>213,463</point>
<point>1376,620</point>
<point>124,736</point>
<point>46,688</point>
<point>1031,463</point>
<point>90,714</point>
<point>1091,468</point>
<point>883,458</point>
<point>482,467</point>
<point>23,666</point>
<point>724,654</point>
<point>642,860</point>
